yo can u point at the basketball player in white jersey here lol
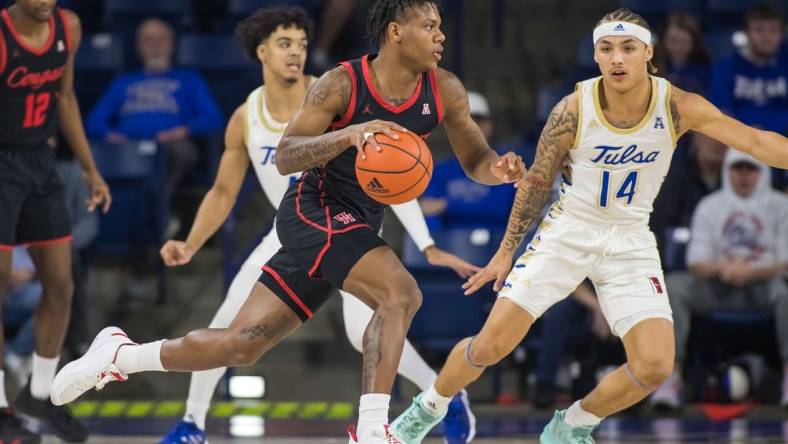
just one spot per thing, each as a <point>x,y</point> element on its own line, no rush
<point>278,38</point>
<point>612,139</point>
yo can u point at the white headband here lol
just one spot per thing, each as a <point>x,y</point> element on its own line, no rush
<point>622,28</point>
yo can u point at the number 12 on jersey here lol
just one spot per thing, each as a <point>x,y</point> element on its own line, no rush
<point>626,190</point>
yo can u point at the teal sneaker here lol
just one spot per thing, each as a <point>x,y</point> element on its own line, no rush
<point>559,432</point>
<point>415,422</point>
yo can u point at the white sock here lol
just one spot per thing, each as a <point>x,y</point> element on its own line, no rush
<point>373,411</point>
<point>575,416</point>
<point>414,369</point>
<point>44,370</point>
<point>3,400</point>
<point>434,402</point>
<point>201,389</point>
<point>140,358</point>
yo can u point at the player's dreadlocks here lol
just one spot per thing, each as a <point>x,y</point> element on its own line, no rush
<point>251,31</point>
<point>625,15</point>
<point>383,12</point>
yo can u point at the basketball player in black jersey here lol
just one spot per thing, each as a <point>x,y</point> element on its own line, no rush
<point>37,46</point>
<point>327,224</point>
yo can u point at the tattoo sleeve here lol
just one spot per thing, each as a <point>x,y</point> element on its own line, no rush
<point>674,114</point>
<point>299,153</point>
<point>557,137</point>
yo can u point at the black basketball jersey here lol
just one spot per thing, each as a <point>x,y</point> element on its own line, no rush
<point>29,82</point>
<point>419,114</point>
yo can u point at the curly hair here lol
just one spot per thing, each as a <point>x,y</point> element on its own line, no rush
<point>254,29</point>
<point>383,12</point>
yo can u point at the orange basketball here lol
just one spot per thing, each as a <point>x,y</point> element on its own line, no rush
<point>397,174</point>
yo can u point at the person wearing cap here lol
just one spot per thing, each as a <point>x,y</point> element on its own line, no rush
<point>611,141</point>
<point>737,255</point>
<point>452,200</point>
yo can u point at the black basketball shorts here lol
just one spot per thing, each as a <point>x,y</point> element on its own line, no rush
<point>32,202</point>
<point>320,245</point>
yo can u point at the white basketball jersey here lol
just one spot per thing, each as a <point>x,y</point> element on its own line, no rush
<point>262,137</point>
<point>613,175</point>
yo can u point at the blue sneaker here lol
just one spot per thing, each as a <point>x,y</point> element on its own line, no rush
<point>185,432</point>
<point>559,432</point>
<point>459,425</point>
<point>415,422</point>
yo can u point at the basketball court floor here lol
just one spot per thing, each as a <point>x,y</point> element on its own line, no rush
<point>139,422</point>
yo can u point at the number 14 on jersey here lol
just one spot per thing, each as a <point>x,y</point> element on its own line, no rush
<point>626,190</point>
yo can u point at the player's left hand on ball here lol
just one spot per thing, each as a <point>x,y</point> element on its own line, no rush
<point>509,168</point>
<point>99,192</point>
<point>441,258</point>
<point>498,268</point>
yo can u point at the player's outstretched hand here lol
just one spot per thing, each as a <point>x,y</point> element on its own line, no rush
<point>362,134</point>
<point>442,258</point>
<point>509,168</point>
<point>99,192</point>
<point>498,268</point>
<point>176,253</point>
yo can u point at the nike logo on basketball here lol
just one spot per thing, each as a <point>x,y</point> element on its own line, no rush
<point>375,186</point>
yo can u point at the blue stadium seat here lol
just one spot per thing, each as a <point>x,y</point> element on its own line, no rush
<point>134,173</point>
<point>99,60</point>
<point>654,9</point>
<point>102,51</point>
<point>548,97</point>
<point>474,245</point>
<point>674,251</point>
<point>720,44</point>
<point>730,6</point>
<point>446,315</point>
<point>645,7</point>
<point>728,13</point>
<point>128,13</point>
<point>212,53</point>
<point>240,9</point>
<point>230,75</point>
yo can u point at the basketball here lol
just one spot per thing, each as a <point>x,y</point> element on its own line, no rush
<point>399,173</point>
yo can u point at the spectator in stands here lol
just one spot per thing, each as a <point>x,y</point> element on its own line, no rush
<point>753,86</point>
<point>681,55</point>
<point>161,103</point>
<point>24,291</point>
<point>575,324</point>
<point>737,257</point>
<point>454,201</point>
<point>84,230</point>
<point>690,179</point>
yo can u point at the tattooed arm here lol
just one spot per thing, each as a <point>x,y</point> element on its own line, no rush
<point>478,160</point>
<point>698,114</point>
<point>558,137</point>
<point>306,144</point>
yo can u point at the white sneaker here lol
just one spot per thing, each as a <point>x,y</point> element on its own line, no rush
<point>382,434</point>
<point>668,395</point>
<point>94,369</point>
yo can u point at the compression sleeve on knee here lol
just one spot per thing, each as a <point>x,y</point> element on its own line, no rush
<point>634,378</point>
<point>468,355</point>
